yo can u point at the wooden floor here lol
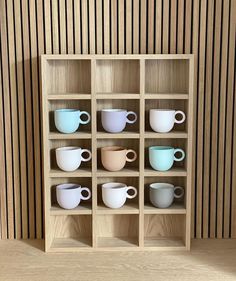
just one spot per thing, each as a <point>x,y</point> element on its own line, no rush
<point>208,260</point>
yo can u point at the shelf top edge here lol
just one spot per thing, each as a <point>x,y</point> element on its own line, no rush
<point>116,56</point>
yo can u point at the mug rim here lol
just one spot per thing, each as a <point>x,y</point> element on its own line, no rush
<point>164,185</point>
<point>113,110</point>
<point>70,186</point>
<point>118,185</point>
<point>67,110</point>
<point>160,148</point>
<point>162,109</point>
<point>113,148</point>
<point>68,148</point>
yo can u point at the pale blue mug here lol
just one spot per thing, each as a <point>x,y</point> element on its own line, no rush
<point>162,158</point>
<point>67,121</point>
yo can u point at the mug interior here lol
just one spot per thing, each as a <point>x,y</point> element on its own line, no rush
<point>160,148</point>
<point>68,148</point>
<point>67,110</point>
<point>163,110</point>
<point>161,185</point>
<point>113,148</point>
<point>113,110</point>
<point>114,185</point>
<point>68,186</point>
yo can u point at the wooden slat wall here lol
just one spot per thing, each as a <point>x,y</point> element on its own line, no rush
<point>205,28</point>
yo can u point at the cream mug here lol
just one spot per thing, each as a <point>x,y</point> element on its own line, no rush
<point>163,120</point>
<point>114,158</point>
<point>114,194</point>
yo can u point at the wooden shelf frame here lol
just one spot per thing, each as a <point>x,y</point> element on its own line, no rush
<point>96,239</point>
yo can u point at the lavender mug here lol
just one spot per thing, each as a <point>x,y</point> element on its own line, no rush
<point>114,120</point>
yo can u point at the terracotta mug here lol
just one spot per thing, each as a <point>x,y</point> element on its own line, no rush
<point>114,157</point>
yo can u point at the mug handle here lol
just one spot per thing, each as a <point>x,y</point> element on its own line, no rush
<point>89,157</point>
<point>183,117</point>
<point>131,159</point>
<point>85,197</point>
<point>131,113</point>
<point>131,188</point>
<point>86,121</point>
<point>181,193</point>
<point>182,152</point>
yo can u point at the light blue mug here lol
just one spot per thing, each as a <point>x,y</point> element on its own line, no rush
<point>67,121</point>
<point>162,158</point>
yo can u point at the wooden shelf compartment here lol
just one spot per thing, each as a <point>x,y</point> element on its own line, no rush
<point>68,76</point>
<point>125,143</point>
<point>85,167</point>
<point>117,230</point>
<point>175,143</point>
<point>82,105</point>
<point>70,232</point>
<point>178,206</point>
<point>85,206</point>
<point>117,76</point>
<point>164,230</point>
<point>125,172</point>
<point>167,104</point>
<point>131,206</point>
<point>119,104</point>
<point>166,76</point>
<point>173,172</point>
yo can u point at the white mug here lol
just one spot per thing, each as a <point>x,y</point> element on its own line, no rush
<point>114,194</point>
<point>69,195</point>
<point>69,157</point>
<point>162,194</point>
<point>163,120</point>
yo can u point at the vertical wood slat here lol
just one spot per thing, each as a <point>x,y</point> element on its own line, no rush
<point>3,182</point>
<point>199,128</point>
<point>84,11</point>
<point>214,132</point>
<point>230,142</point>
<point>106,27</point>
<point>99,29</point>
<point>205,28</point>
<point>128,18</point>
<point>22,125</point>
<point>29,118</point>
<point>121,27</point>
<point>195,51</point>
<point>14,118</point>
<point>135,30</point>
<point>113,27</point>
<point>207,119</point>
<point>232,93</point>
<point>36,116</point>
<point>7,123</point>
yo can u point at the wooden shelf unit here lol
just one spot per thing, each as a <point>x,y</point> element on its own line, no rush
<point>132,82</point>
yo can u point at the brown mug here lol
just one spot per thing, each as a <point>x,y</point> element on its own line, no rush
<point>115,157</point>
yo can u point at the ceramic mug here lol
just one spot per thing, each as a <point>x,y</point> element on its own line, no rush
<point>114,157</point>
<point>67,121</point>
<point>162,194</point>
<point>69,158</point>
<point>162,158</point>
<point>163,120</point>
<point>69,195</point>
<point>114,120</point>
<point>114,194</point>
